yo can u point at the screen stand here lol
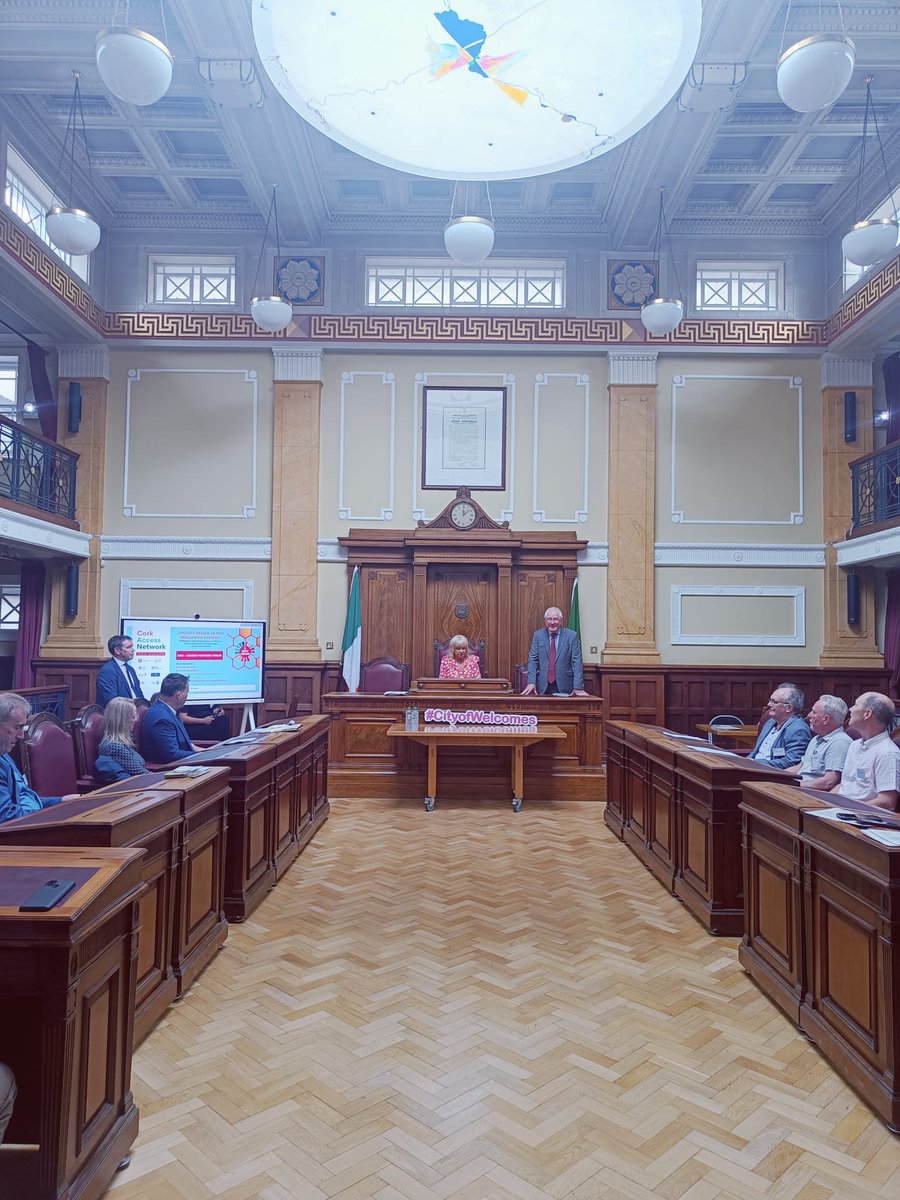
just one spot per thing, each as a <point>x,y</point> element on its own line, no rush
<point>248,720</point>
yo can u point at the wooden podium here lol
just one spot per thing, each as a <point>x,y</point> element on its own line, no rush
<point>67,987</point>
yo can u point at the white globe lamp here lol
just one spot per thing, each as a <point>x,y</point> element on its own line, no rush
<point>868,242</point>
<point>469,240</point>
<point>72,230</point>
<point>271,313</point>
<point>814,72</point>
<point>662,316</point>
<point>134,65</point>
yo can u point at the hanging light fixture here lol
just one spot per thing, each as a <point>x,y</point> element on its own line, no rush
<point>469,239</point>
<point>134,65</point>
<point>271,313</point>
<point>661,315</point>
<point>72,230</point>
<point>813,72</point>
<point>868,242</point>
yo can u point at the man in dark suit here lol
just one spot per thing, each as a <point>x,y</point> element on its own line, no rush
<point>784,735</point>
<point>164,738</point>
<point>7,1097</point>
<point>118,677</point>
<point>554,660</point>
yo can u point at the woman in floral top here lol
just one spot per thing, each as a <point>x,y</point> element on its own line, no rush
<point>459,663</point>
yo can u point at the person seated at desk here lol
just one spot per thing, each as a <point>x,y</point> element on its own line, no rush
<point>785,735</point>
<point>872,767</point>
<point>213,718</point>
<point>163,735</point>
<point>17,799</point>
<point>554,659</point>
<point>117,756</point>
<point>459,663</point>
<point>7,1097</point>
<point>823,758</point>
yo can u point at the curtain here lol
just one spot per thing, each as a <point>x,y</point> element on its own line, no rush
<point>892,630</point>
<point>891,370</point>
<point>31,620</point>
<point>44,396</point>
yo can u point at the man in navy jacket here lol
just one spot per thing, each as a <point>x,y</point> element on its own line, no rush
<point>554,660</point>
<point>164,738</point>
<point>118,677</point>
<point>785,735</point>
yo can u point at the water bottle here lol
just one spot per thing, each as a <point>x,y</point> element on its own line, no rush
<point>412,718</point>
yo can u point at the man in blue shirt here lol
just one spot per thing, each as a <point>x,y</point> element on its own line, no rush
<point>17,799</point>
<point>164,738</point>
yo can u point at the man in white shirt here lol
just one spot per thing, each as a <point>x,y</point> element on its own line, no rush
<point>872,767</point>
<point>118,677</point>
<point>823,759</point>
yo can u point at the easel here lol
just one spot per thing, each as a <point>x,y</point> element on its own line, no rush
<point>248,720</point>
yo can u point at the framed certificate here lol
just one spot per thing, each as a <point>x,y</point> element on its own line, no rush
<point>464,438</point>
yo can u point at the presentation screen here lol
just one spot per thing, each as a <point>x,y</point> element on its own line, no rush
<point>223,659</point>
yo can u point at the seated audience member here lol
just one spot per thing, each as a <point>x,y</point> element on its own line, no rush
<point>785,735</point>
<point>211,719</point>
<point>872,767</point>
<point>458,663</point>
<point>117,756</point>
<point>823,759</point>
<point>17,799</point>
<point>163,735</point>
<point>118,677</point>
<point>7,1097</point>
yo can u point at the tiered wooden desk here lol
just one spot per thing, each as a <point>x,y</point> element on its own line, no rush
<point>67,987</point>
<point>365,761</point>
<point>822,933</point>
<point>677,806</point>
<point>279,798</point>
<point>180,823</point>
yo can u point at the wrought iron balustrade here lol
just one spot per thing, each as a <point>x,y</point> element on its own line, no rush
<point>36,472</point>
<point>876,488</point>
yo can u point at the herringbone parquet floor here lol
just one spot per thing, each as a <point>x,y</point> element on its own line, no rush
<point>474,1004</point>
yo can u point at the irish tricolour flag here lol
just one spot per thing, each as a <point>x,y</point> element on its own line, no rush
<point>351,646</point>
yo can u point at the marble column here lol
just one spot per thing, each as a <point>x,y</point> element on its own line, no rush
<point>844,645</point>
<point>292,633</point>
<point>80,636</point>
<point>630,633</point>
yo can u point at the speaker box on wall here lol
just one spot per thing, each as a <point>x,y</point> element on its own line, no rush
<point>72,590</point>
<point>849,416</point>
<point>852,598</point>
<point>74,422</point>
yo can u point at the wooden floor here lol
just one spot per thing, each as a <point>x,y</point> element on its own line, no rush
<point>475,1004</point>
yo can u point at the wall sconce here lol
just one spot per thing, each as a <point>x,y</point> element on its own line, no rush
<point>870,241</point>
<point>469,239</point>
<point>70,229</point>
<point>814,72</point>
<point>271,313</point>
<point>134,65</point>
<point>660,315</point>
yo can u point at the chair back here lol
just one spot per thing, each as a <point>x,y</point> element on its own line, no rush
<point>520,678</point>
<point>48,754</point>
<point>136,727</point>
<point>725,719</point>
<point>441,648</point>
<point>385,674</point>
<point>86,731</point>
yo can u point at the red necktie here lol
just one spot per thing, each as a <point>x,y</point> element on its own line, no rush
<point>551,664</point>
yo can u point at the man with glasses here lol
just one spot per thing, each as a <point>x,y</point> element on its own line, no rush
<point>784,735</point>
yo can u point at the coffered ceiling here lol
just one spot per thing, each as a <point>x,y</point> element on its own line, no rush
<point>735,161</point>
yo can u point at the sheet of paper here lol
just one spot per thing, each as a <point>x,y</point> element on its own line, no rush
<point>887,837</point>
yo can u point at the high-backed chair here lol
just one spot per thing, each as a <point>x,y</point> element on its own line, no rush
<point>520,678</point>
<point>136,727</point>
<point>442,648</point>
<point>48,756</point>
<point>86,730</point>
<point>384,674</point>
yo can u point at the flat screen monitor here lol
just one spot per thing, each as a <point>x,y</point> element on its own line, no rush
<point>224,660</point>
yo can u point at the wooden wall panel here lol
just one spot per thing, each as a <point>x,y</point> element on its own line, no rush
<point>385,596</point>
<point>473,588</point>
<point>534,591</point>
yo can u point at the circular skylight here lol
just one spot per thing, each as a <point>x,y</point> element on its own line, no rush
<point>486,89</point>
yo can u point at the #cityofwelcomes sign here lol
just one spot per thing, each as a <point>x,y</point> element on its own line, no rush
<point>480,716</point>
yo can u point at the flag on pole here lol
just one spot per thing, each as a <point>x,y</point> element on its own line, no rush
<point>574,615</point>
<point>351,646</point>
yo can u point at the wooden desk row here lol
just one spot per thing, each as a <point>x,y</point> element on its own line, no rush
<point>823,933</point>
<point>676,804</point>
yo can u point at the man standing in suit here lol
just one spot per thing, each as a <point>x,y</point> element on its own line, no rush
<point>785,735</point>
<point>118,677</point>
<point>554,660</point>
<point>164,738</point>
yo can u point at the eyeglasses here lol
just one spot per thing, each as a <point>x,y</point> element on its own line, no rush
<point>775,703</point>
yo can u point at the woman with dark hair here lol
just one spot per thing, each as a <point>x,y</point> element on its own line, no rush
<point>117,757</point>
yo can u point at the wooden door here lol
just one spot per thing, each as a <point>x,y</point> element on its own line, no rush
<point>462,599</point>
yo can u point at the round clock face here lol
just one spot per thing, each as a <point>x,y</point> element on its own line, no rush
<point>463,514</point>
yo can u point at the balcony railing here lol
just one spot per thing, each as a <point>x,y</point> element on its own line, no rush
<point>36,472</point>
<point>876,489</point>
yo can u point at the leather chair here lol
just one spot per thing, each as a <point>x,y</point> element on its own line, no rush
<point>86,731</point>
<point>48,756</point>
<point>385,674</point>
<point>442,648</point>
<point>138,722</point>
<point>520,678</point>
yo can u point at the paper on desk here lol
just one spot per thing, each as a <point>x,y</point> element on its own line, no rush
<point>682,737</point>
<point>887,837</point>
<point>830,814</point>
<point>705,748</point>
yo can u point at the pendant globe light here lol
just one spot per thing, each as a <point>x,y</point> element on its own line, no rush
<point>469,239</point>
<point>134,65</point>
<point>869,241</point>
<point>271,313</point>
<point>815,71</point>
<point>70,229</point>
<point>663,315</point>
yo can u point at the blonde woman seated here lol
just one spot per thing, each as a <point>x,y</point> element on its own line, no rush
<point>117,756</point>
<point>458,663</point>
